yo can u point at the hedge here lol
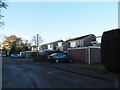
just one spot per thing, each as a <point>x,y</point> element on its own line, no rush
<point>110,50</point>
<point>43,56</point>
<point>40,57</point>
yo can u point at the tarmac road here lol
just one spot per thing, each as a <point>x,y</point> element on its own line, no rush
<point>19,73</point>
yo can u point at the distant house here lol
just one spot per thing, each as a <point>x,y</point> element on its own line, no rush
<point>2,53</point>
<point>61,45</point>
<point>34,48</point>
<point>56,45</point>
<point>82,41</point>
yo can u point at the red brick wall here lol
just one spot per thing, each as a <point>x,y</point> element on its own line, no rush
<point>78,55</point>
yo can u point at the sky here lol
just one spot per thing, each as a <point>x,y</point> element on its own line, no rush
<point>59,20</point>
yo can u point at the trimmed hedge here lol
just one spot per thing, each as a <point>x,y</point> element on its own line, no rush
<point>110,50</point>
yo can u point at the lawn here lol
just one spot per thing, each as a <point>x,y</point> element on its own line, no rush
<point>99,67</point>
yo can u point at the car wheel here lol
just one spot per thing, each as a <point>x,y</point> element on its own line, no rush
<point>57,61</point>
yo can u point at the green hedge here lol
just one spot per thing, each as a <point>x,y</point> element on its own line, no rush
<point>40,57</point>
<point>43,56</point>
<point>110,50</point>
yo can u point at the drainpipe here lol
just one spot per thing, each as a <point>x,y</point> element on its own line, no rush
<point>89,55</point>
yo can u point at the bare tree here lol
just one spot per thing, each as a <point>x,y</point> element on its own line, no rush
<point>37,40</point>
<point>34,41</point>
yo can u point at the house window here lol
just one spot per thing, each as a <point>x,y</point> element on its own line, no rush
<point>72,44</point>
<point>60,44</point>
<point>77,43</point>
<point>49,46</point>
<point>81,43</point>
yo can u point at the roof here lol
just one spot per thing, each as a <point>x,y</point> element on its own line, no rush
<point>53,42</point>
<point>77,38</point>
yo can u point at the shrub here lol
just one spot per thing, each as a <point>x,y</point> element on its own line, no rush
<point>40,57</point>
<point>110,47</point>
<point>43,56</point>
<point>33,54</point>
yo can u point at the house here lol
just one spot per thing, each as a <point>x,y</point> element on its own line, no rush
<point>61,45</point>
<point>82,41</point>
<point>34,48</point>
<point>56,45</point>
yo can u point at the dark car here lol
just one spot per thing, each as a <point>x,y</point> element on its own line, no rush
<point>15,55</point>
<point>59,57</point>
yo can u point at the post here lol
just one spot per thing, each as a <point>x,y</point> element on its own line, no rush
<point>37,44</point>
<point>89,62</point>
<point>37,41</point>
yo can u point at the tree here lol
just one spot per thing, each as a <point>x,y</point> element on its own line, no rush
<point>34,40</point>
<point>23,47</point>
<point>14,44</point>
<point>37,40</point>
<point>13,49</point>
<point>11,42</point>
<point>2,5</point>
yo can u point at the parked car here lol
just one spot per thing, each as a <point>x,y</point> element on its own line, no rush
<point>59,57</point>
<point>15,55</point>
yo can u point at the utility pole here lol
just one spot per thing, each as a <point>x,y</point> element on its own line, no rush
<point>37,42</point>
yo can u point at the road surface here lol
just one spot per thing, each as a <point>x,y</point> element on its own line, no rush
<point>20,73</point>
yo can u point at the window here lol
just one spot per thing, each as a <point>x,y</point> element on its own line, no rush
<point>72,44</point>
<point>78,43</point>
<point>81,43</point>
